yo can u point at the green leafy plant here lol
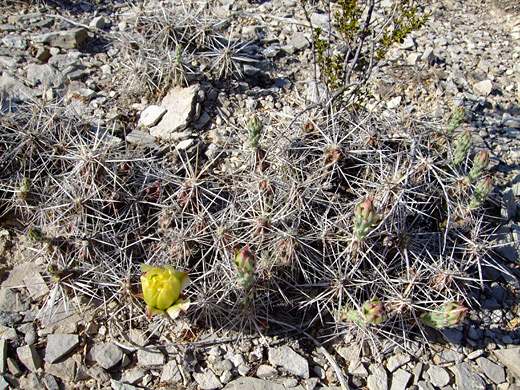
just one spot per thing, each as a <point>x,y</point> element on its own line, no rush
<point>364,40</point>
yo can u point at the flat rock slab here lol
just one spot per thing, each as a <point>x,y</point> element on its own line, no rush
<point>29,356</point>
<point>14,89</point>
<point>288,359</point>
<point>151,115</point>
<point>492,370</point>
<point>250,383</point>
<point>36,285</point>
<point>179,104</point>
<point>378,378</point>
<point>68,39</point>
<point>467,378</point>
<point>147,358</point>
<point>510,358</point>
<point>58,345</point>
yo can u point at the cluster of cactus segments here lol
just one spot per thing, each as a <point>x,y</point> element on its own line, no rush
<point>372,312</point>
<point>245,263</point>
<point>482,190</point>
<point>255,130</point>
<point>365,216</point>
<point>480,164</point>
<point>456,119</point>
<point>451,314</point>
<point>463,145</point>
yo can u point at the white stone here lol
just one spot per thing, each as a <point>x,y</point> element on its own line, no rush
<point>400,379</point>
<point>148,358</point>
<point>207,380</point>
<point>483,88</point>
<point>289,360</point>
<point>180,106</point>
<point>439,377</point>
<point>152,115</point>
<point>97,22</point>
<point>378,378</point>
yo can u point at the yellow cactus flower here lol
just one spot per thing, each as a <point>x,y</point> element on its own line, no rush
<point>162,289</point>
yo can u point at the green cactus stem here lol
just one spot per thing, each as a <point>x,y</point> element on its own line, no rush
<point>481,192</point>
<point>372,312</point>
<point>456,119</point>
<point>25,188</point>
<point>365,216</point>
<point>463,145</point>
<point>254,127</point>
<point>245,263</point>
<point>480,163</point>
<point>450,315</point>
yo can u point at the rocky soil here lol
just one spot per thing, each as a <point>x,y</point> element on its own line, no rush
<point>466,56</point>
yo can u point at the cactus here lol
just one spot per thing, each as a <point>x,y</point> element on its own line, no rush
<point>463,144</point>
<point>245,263</point>
<point>480,163</point>
<point>372,312</point>
<point>255,129</point>
<point>456,119</point>
<point>450,315</point>
<point>366,217</point>
<point>25,188</point>
<point>481,192</point>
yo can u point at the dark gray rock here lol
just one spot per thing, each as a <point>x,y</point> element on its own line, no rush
<point>59,345</point>
<point>492,370</point>
<point>467,378</point>
<point>107,355</point>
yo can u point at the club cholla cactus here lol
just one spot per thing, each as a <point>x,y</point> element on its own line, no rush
<point>162,290</point>
<point>450,315</point>
<point>366,217</point>
<point>245,263</point>
<point>481,192</point>
<point>456,119</point>
<point>463,145</point>
<point>479,165</point>
<point>372,312</point>
<point>254,127</point>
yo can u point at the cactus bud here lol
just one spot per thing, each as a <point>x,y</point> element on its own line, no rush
<point>245,263</point>
<point>366,217</point>
<point>450,315</point>
<point>481,192</point>
<point>456,119</point>
<point>479,165</point>
<point>372,312</point>
<point>255,129</point>
<point>463,144</point>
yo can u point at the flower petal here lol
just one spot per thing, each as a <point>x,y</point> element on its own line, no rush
<point>180,305</point>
